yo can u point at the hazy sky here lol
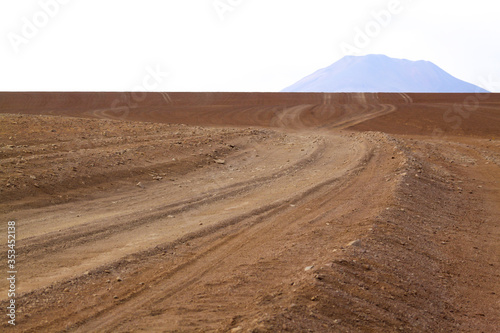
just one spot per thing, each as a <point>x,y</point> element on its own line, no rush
<point>234,45</point>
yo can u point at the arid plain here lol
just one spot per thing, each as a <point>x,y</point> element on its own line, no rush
<point>252,212</point>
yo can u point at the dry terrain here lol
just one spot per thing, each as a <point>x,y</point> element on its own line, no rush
<point>252,212</point>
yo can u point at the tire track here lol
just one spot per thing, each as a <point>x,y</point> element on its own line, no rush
<point>109,318</point>
<point>46,244</point>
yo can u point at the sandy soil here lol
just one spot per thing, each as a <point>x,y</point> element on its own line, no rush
<point>233,212</point>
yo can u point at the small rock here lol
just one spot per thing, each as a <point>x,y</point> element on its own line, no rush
<point>115,297</point>
<point>171,216</point>
<point>366,267</point>
<point>356,242</point>
<point>308,268</point>
<point>220,161</point>
<point>139,184</point>
<point>237,329</point>
<point>119,279</point>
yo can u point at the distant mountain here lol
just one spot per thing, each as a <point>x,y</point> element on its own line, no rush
<point>379,73</point>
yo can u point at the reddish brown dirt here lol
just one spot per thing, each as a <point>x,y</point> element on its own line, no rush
<point>253,212</point>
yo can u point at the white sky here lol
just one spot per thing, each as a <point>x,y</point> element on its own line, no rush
<point>259,45</point>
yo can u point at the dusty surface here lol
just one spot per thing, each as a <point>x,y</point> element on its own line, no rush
<point>253,212</point>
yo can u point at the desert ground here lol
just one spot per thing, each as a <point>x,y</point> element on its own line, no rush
<point>252,212</point>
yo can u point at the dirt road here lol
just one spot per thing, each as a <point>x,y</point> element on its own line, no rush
<point>252,212</point>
